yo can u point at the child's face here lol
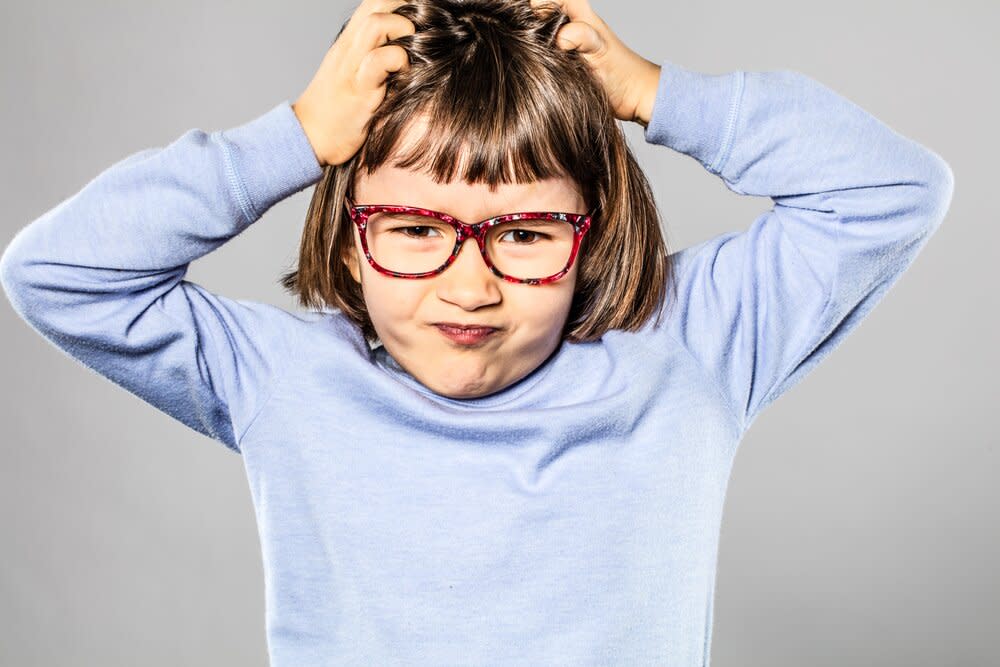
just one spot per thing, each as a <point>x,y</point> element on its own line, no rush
<point>530,318</point>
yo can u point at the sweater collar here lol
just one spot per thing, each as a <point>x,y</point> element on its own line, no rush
<point>385,361</point>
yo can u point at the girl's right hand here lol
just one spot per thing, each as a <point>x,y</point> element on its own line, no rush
<point>335,108</point>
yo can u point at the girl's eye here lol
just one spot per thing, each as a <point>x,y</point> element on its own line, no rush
<point>521,236</point>
<point>415,234</point>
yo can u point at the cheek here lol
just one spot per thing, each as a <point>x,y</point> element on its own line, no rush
<point>544,308</point>
<point>391,300</point>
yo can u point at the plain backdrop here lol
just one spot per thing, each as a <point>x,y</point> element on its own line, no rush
<point>861,520</point>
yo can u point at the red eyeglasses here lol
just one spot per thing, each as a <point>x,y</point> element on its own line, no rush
<point>533,248</point>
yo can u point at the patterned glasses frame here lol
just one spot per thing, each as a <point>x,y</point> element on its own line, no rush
<point>581,223</point>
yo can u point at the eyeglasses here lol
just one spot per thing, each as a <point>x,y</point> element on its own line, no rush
<point>533,248</point>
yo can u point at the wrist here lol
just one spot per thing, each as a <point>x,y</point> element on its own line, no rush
<point>307,129</point>
<point>269,159</point>
<point>647,97</point>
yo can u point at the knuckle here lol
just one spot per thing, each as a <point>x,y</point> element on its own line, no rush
<point>367,59</point>
<point>372,24</point>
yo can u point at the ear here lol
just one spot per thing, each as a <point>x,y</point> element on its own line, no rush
<point>350,260</point>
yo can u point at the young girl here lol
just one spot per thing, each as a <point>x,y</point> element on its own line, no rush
<point>503,432</point>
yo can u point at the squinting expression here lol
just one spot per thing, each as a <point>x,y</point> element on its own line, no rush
<point>405,312</point>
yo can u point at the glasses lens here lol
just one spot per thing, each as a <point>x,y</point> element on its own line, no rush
<point>409,242</point>
<point>524,249</point>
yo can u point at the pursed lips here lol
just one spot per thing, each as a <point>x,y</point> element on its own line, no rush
<point>466,327</point>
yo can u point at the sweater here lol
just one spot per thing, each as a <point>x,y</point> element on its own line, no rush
<point>571,518</point>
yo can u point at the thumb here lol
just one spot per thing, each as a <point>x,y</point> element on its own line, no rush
<point>582,37</point>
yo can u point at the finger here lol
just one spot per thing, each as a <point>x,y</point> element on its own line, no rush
<point>373,6</point>
<point>375,67</point>
<point>582,37</point>
<point>363,13</point>
<point>575,9</point>
<point>383,27</point>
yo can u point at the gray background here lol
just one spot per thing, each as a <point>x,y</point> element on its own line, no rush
<point>861,519</point>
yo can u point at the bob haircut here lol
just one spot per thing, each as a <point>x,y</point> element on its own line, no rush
<point>492,82</point>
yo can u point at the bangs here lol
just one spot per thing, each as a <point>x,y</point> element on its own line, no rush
<point>501,111</point>
<point>449,144</point>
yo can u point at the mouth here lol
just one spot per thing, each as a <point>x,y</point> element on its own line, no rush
<point>465,327</point>
<point>466,334</point>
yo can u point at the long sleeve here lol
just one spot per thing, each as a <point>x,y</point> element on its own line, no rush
<point>101,275</point>
<point>854,203</point>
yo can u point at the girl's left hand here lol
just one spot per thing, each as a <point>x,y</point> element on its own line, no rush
<point>629,79</point>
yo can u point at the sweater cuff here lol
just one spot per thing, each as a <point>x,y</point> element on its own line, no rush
<point>695,113</point>
<point>270,159</point>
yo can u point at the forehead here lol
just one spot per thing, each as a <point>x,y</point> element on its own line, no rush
<point>391,184</point>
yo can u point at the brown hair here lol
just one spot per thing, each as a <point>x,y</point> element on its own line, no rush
<point>491,80</point>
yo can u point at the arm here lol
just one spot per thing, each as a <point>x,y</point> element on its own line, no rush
<point>101,275</point>
<point>854,203</point>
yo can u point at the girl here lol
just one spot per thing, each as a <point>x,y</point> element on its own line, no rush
<point>502,433</point>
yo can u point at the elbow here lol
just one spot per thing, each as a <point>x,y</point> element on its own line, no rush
<point>18,290</point>
<point>11,273</point>
<point>15,260</point>
<point>944,190</point>
<point>939,190</point>
<point>35,288</point>
<point>922,195</point>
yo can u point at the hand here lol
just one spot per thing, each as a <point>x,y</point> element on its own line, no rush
<point>335,108</point>
<point>629,79</point>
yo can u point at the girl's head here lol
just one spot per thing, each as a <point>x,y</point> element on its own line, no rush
<point>491,117</point>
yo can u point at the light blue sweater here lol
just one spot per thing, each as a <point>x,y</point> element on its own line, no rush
<point>570,519</point>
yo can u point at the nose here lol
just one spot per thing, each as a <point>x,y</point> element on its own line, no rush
<point>468,282</point>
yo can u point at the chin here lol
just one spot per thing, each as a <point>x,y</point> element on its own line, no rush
<point>465,391</point>
<point>471,385</point>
